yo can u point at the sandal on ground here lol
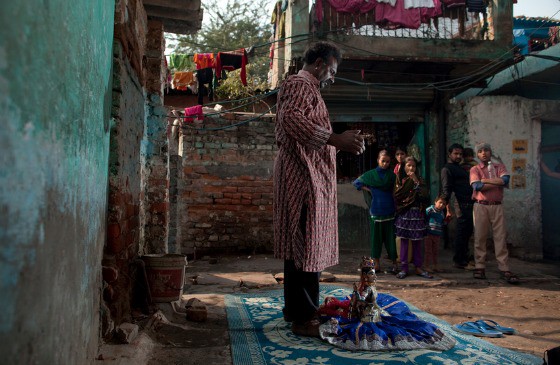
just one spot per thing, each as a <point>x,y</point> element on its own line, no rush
<point>425,274</point>
<point>402,275</point>
<point>393,271</point>
<point>474,329</point>
<point>494,326</point>
<point>510,277</point>
<point>479,274</point>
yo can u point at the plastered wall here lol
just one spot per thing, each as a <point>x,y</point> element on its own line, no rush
<point>55,97</point>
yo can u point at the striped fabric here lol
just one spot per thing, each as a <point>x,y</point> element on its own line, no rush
<point>304,174</point>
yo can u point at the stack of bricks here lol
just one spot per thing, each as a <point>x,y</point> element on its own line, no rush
<point>225,194</point>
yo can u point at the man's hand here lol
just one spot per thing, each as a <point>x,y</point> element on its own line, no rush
<point>349,141</point>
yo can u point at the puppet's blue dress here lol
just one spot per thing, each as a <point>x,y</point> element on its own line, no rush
<point>398,329</point>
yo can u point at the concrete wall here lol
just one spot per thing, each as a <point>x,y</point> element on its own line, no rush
<point>225,192</point>
<point>501,120</point>
<point>55,98</point>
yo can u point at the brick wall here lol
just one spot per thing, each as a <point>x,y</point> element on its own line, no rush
<point>128,114</point>
<point>155,204</point>
<point>225,193</point>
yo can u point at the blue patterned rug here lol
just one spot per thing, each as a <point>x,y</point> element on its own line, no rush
<point>259,335</point>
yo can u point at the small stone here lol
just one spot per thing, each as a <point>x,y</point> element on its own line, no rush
<point>196,310</point>
<point>126,332</point>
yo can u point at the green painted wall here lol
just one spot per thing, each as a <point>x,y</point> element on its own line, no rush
<point>55,77</point>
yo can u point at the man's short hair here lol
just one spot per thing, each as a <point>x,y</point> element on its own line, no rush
<point>322,50</point>
<point>454,146</point>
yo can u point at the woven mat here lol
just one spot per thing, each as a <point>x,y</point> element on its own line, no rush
<point>259,335</point>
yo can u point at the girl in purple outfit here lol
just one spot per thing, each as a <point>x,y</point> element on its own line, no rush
<point>410,224</point>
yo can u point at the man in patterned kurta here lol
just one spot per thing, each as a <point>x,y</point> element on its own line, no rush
<point>305,204</point>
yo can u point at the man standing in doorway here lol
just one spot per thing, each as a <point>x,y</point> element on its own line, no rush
<point>305,201</point>
<point>454,179</point>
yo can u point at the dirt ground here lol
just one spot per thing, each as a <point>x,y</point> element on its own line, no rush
<point>533,311</point>
<point>532,307</point>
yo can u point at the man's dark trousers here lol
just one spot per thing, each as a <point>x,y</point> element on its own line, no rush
<point>463,234</point>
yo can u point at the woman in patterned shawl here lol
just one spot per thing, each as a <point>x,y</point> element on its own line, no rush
<point>410,224</point>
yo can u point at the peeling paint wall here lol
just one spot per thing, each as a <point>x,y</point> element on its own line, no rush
<point>55,89</point>
<point>500,121</point>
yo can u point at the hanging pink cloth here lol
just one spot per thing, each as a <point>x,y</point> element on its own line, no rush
<point>389,17</point>
<point>345,6</point>
<point>429,13</point>
<point>192,113</point>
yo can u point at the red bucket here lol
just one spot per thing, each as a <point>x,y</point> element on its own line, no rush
<point>166,276</point>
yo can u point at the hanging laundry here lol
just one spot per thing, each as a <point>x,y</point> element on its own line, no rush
<point>205,76</point>
<point>271,55</point>
<point>418,4</point>
<point>389,17</point>
<point>279,20</point>
<point>426,14</point>
<point>392,2</point>
<point>182,79</point>
<point>346,6</point>
<point>476,6</point>
<point>193,112</point>
<point>453,3</point>
<point>204,60</point>
<point>179,62</point>
<point>232,61</point>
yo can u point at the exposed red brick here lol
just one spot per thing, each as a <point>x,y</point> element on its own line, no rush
<point>159,207</point>
<point>116,245</point>
<point>113,230</point>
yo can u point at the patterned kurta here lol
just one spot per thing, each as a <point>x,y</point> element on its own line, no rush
<point>304,174</point>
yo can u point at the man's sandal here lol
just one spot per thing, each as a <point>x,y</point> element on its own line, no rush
<point>510,277</point>
<point>479,274</point>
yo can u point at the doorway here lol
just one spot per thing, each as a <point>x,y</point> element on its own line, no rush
<point>353,215</point>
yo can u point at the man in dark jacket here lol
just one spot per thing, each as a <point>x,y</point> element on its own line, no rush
<point>454,179</point>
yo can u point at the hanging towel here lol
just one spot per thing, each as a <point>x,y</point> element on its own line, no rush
<point>193,112</point>
<point>232,61</point>
<point>182,79</point>
<point>179,62</point>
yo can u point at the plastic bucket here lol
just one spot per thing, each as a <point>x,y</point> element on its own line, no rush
<point>166,276</point>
